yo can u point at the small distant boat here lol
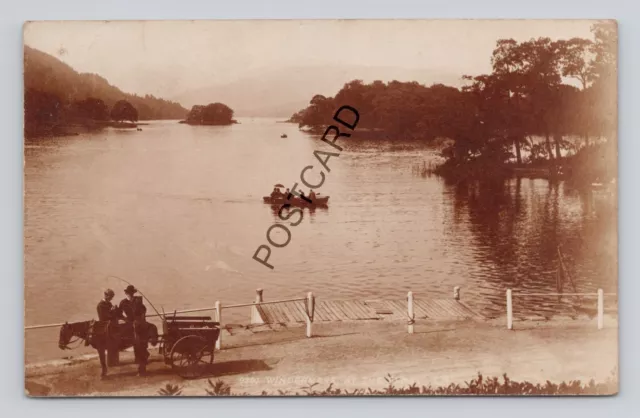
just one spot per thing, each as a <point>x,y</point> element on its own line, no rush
<point>283,136</point>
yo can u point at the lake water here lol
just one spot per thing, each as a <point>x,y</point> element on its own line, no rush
<point>177,210</point>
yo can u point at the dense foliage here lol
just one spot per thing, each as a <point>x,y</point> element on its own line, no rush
<point>123,110</point>
<point>55,95</point>
<point>211,114</point>
<point>524,112</point>
<point>476,386</point>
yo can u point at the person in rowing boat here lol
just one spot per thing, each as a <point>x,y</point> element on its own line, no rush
<point>312,195</point>
<point>135,312</point>
<point>276,193</point>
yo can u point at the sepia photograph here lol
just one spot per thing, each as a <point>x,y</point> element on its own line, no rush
<point>320,208</point>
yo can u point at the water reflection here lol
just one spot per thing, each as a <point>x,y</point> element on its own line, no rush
<point>311,210</point>
<point>518,226</point>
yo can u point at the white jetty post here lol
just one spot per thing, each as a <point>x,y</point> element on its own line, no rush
<point>256,318</point>
<point>219,319</point>
<point>311,306</point>
<point>600,308</point>
<point>509,310</point>
<point>456,293</point>
<point>410,313</point>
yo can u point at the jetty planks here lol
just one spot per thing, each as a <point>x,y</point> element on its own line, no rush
<point>357,310</point>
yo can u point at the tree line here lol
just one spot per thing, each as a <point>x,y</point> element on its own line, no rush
<point>525,112</point>
<point>46,113</point>
<point>55,96</point>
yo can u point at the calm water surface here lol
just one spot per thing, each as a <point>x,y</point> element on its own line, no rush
<point>178,211</point>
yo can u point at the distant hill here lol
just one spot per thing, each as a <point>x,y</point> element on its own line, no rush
<point>47,74</point>
<point>284,92</point>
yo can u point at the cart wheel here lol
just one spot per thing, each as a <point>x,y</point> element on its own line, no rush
<point>186,356</point>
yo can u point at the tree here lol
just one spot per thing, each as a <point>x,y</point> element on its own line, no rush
<point>563,116</point>
<point>211,114</point>
<point>576,60</point>
<point>605,49</point>
<point>195,114</point>
<point>318,113</point>
<point>532,71</point>
<point>123,110</point>
<point>605,68</point>
<point>501,107</point>
<point>355,93</point>
<point>463,121</point>
<point>42,111</point>
<point>92,108</point>
<point>217,114</point>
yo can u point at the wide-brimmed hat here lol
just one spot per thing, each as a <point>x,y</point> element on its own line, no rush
<point>130,290</point>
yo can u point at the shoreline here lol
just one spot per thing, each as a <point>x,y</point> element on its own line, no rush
<point>357,355</point>
<point>32,133</point>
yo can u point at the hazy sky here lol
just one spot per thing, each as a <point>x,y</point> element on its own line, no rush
<point>166,58</point>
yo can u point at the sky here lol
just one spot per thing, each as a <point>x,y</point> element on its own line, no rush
<point>167,58</point>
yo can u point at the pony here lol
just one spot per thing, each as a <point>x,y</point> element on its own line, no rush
<point>98,334</point>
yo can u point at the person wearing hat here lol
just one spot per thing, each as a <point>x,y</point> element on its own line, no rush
<point>276,193</point>
<point>131,306</point>
<point>135,312</point>
<point>108,312</point>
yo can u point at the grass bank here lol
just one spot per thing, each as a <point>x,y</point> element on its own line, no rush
<point>478,385</point>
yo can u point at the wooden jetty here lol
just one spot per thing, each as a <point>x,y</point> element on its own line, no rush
<point>353,310</point>
<point>358,310</point>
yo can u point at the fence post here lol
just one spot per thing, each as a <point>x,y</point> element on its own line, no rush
<point>509,310</point>
<point>219,319</point>
<point>410,313</point>
<point>311,306</point>
<point>600,308</point>
<point>256,318</point>
<point>456,293</point>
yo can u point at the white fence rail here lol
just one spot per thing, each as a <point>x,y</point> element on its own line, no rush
<point>599,294</point>
<point>218,308</point>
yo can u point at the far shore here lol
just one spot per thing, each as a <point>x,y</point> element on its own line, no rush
<point>75,129</point>
<point>186,122</point>
<point>359,354</point>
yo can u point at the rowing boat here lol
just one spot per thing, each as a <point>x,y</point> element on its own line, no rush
<point>296,201</point>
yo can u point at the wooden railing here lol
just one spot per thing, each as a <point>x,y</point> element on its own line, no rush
<point>310,300</point>
<point>218,308</point>
<point>255,315</point>
<point>599,294</point>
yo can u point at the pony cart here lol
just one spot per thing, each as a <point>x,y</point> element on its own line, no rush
<point>188,343</point>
